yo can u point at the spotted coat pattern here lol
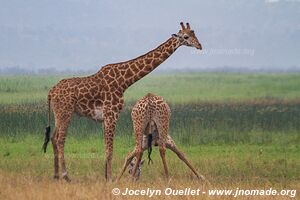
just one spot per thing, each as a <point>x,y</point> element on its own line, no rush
<point>151,115</point>
<point>101,96</point>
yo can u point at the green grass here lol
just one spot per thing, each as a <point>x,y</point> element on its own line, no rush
<point>85,158</point>
<point>176,88</point>
<point>191,124</point>
<point>239,130</point>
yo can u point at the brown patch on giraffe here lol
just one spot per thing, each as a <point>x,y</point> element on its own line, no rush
<point>114,86</point>
<point>106,87</point>
<point>165,55</point>
<point>117,72</point>
<point>83,107</point>
<point>98,96</point>
<point>93,90</point>
<point>109,79</point>
<point>120,106</point>
<point>128,74</point>
<point>115,108</point>
<point>148,67</point>
<point>107,103</point>
<point>123,72</point>
<point>119,93</point>
<point>98,103</point>
<point>91,104</point>
<point>148,61</point>
<point>134,68</point>
<point>170,51</point>
<point>108,97</point>
<point>112,73</point>
<point>156,62</point>
<point>140,65</point>
<point>88,96</point>
<point>83,101</point>
<point>150,54</point>
<point>142,73</point>
<point>156,55</point>
<point>83,90</point>
<point>121,80</point>
<point>159,101</point>
<point>93,79</point>
<point>99,75</point>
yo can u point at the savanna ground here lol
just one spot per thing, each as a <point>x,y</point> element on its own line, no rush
<point>239,131</point>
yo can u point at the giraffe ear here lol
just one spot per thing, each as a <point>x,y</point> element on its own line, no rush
<point>174,35</point>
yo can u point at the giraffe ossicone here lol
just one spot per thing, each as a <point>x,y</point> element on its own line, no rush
<point>101,96</point>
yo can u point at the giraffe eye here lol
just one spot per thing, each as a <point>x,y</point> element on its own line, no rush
<point>186,37</point>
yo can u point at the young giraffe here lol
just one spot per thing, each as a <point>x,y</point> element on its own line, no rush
<point>151,116</point>
<point>100,96</point>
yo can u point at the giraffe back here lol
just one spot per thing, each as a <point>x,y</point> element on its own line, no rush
<point>149,110</point>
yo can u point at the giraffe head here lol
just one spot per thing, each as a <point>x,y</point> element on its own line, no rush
<point>187,37</point>
<point>139,169</point>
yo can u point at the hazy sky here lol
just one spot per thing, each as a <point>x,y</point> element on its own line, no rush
<point>87,34</point>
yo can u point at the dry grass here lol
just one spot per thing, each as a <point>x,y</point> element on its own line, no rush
<point>20,186</point>
<point>26,173</point>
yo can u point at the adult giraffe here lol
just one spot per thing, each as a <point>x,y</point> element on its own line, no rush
<point>100,96</point>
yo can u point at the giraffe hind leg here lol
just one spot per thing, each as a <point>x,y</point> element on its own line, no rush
<point>55,151</point>
<point>171,145</point>
<point>162,151</point>
<point>139,151</point>
<point>162,127</point>
<point>62,127</point>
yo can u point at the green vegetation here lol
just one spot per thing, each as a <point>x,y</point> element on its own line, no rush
<point>275,163</point>
<point>177,88</point>
<point>191,124</point>
<point>239,130</point>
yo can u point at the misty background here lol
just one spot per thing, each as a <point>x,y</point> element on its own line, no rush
<point>42,36</point>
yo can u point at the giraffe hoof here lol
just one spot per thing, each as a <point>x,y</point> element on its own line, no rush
<point>202,178</point>
<point>67,179</point>
<point>55,177</point>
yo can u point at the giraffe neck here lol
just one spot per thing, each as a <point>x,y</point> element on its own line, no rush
<point>139,67</point>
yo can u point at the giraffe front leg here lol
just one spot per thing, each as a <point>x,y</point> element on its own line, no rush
<point>128,159</point>
<point>109,132</point>
<point>139,156</point>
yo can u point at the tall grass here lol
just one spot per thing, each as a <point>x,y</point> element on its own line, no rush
<point>206,108</point>
<point>257,122</point>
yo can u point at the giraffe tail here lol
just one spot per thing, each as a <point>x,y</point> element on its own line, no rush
<point>47,131</point>
<point>149,142</point>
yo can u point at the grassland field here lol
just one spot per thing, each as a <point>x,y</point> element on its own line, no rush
<point>175,88</point>
<point>239,130</point>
